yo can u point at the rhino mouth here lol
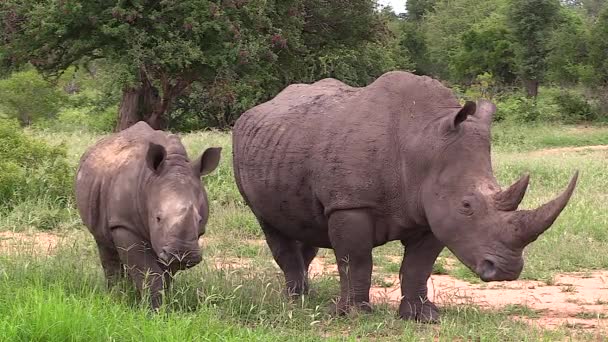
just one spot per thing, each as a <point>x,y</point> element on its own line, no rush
<point>491,269</point>
<point>179,260</point>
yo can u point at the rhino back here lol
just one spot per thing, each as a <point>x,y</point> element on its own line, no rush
<point>318,148</point>
<point>107,177</point>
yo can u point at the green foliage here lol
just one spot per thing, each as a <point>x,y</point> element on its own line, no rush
<point>598,47</point>
<point>417,9</point>
<point>29,168</point>
<point>442,29</point>
<point>574,107</point>
<point>91,119</point>
<point>568,46</point>
<point>531,22</point>
<point>517,108</point>
<point>487,47</point>
<point>26,96</point>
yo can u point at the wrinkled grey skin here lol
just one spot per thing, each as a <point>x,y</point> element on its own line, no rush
<point>327,165</point>
<point>142,199</point>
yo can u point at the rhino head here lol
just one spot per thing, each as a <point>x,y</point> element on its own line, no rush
<point>176,204</point>
<point>466,208</point>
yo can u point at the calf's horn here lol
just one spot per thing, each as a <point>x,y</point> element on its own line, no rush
<point>509,199</point>
<point>532,223</point>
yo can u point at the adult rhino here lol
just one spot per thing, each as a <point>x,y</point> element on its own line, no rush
<point>332,166</point>
<point>141,198</point>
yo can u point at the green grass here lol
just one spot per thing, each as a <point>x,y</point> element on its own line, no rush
<point>510,137</point>
<point>62,297</point>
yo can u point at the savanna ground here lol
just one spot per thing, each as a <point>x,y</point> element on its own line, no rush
<point>52,288</point>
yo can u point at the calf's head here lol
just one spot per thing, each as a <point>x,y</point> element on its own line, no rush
<point>176,204</point>
<point>466,208</point>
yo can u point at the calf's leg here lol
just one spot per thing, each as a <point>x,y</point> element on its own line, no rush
<point>351,235</point>
<point>110,261</point>
<point>420,255</point>
<point>141,263</point>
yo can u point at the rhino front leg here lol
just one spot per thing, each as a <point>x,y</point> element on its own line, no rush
<point>141,263</point>
<point>351,235</point>
<point>420,255</point>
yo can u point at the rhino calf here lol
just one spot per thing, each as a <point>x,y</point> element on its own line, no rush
<point>332,166</point>
<point>142,199</point>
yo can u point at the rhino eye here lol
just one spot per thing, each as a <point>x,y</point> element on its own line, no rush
<point>157,219</point>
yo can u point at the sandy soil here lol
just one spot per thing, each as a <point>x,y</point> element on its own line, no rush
<point>561,150</point>
<point>575,299</point>
<point>37,243</point>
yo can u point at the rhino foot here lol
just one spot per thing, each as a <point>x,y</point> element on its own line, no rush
<point>342,308</point>
<point>297,288</point>
<point>423,311</point>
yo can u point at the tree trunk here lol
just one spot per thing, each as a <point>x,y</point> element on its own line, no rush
<point>138,104</point>
<point>128,113</point>
<point>144,103</point>
<point>531,88</point>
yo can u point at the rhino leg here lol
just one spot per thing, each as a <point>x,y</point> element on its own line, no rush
<point>420,255</point>
<point>110,261</point>
<point>141,263</point>
<point>351,233</point>
<point>289,255</point>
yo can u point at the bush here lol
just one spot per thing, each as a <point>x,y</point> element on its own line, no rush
<point>27,97</point>
<point>90,119</point>
<point>517,108</point>
<point>31,169</point>
<point>574,107</point>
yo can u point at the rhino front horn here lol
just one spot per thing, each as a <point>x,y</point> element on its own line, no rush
<point>534,222</point>
<point>509,199</point>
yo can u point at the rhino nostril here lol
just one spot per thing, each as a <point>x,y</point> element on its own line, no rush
<point>487,270</point>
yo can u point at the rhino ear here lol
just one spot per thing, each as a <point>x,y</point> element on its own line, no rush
<point>208,161</point>
<point>452,121</point>
<point>469,108</point>
<point>155,157</point>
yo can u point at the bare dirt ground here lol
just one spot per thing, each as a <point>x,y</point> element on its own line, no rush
<point>574,300</point>
<point>38,243</point>
<point>560,150</point>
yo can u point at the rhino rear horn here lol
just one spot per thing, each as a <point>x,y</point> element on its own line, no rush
<point>509,199</point>
<point>534,222</point>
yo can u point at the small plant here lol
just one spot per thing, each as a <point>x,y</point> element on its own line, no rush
<point>591,315</point>
<point>568,289</point>
<point>521,310</point>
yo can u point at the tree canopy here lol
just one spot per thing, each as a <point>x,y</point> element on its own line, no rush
<point>201,63</point>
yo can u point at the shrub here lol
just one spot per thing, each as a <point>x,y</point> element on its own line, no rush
<point>574,107</point>
<point>517,108</point>
<point>90,119</point>
<point>27,97</point>
<point>31,169</point>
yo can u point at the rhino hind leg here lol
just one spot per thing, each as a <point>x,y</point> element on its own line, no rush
<point>289,255</point>
<point>308,254</point>
<point>142,265</point>
<point>351,233</point>
<point>420,255</point>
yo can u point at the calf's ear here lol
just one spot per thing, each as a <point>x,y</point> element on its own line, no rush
<point>208,161</point>
<point>155,157</point>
